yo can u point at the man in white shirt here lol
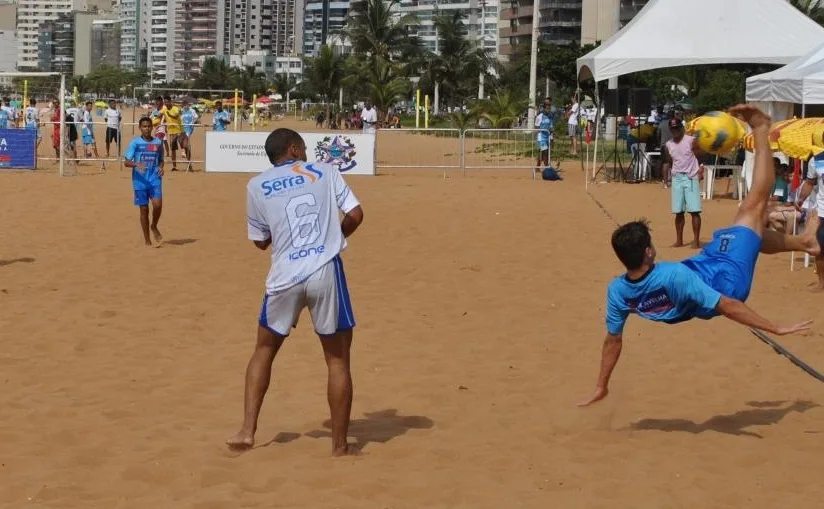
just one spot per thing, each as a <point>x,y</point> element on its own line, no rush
<point>293,207</point>
<point>113,119</point>
<point>572,124</point>
<point>370,119</point>
<point>32,119</point>
<point>11,112</point>
<point>814,179</point>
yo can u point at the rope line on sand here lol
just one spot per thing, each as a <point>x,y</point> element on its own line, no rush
<point>775,345</point>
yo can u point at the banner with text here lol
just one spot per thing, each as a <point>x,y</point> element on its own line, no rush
<point>352,154</point>
<point>18,149</point>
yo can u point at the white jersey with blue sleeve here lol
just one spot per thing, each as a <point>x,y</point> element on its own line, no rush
<point>297,205</point>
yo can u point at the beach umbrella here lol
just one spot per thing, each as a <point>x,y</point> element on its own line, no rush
<point>799,138</point>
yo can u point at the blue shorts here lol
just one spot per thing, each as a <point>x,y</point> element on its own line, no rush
<point>686,194</point>
<point>727,264</point>
<point>153,192</point>
<point>88,139</point>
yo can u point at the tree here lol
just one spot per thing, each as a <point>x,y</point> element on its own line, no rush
<point>214,75</point>
<point>386,87</point>
<point>323,75</point>
<point>723,88</point>
<point>501,110</point>
<point>814,9</point>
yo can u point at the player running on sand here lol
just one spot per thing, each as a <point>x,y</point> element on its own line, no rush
<point>715,282</point>
<point>293,207</point>
<point>144,156</point>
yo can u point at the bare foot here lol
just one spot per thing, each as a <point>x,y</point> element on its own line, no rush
<point>678,244</point>
<point>809,236</point>
<point>241,441</point>
<point>695,244</point>
<point>157,236</point>
<point>349,450</point>
<point>148,243</point>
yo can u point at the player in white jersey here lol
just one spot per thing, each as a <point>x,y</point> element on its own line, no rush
<point>113,119</point>
<point>32,118</point>
<point>294,208</point>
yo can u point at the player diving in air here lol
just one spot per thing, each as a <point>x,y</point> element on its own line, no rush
<point>715,282</point>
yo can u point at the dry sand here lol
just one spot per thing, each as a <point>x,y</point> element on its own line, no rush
<point>480,304</point>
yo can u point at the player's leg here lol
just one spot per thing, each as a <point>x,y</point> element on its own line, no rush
<point>753,208</point>
<point>277,314</point>
<point>692,199</point>
<point>141,200</point>
<point>679,207</point>
<point>331,309</point>
<point>173,142</point>
<point>157,209</point>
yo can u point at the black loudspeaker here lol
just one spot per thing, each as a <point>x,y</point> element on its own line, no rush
<point>641,101</point>
<point>617,101</point>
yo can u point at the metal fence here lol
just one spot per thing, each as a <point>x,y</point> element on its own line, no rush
<point>500,149</point>
<point>438,149</point>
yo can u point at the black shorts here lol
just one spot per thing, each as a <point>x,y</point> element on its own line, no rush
<point>174,141</point>
<point>112,134</point>
<point>72,133</point>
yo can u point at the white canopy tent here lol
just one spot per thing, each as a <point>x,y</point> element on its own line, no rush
<point>672,33</point>
<point>799,82</point>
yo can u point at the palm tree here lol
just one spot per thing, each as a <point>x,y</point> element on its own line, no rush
<point>386,87</point>
<point>215,74</point>
<point>457,59</point>
<point>501,110</point>
<point>324,75</point>
<point>812,8</point>
<point>282,82</point>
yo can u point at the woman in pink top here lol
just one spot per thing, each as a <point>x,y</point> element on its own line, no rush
<point>682,167</point>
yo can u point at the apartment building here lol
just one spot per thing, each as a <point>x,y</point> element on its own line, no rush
<point>156,36</point>
<point>563,21</point>
<point>323,23</point>
<point>480,18</point>
<point>9,49</point>
<point>597,17</point>
<point>31,14</point>
<point>128,12</point>
<point>195,34</point>
<point>71,44</point>
<point>271,26</point>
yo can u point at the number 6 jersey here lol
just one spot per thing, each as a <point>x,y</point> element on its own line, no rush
<point>296,204</point>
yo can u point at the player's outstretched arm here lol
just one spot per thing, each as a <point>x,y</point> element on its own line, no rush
<point>739,312</point>
<point>609,358</point>
<point>351,221</point>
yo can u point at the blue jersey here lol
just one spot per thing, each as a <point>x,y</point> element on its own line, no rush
<point>221,120</point>
<point>670,292</point>
<point>544,122</point>
<point>188,117</point>
<point>4,119</point>
<point>150,154</point>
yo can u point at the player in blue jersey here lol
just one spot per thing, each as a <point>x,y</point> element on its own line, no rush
<point>220,118</point>
<point>189,118</point>
<point>543,122</point>
<point>715,282</point>
<point>144,156</point>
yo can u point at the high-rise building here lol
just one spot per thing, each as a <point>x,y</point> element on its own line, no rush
<point>259,25</point>
<point>9,48</point>
<point>30,15</point>
<point>106,43</point>
<point>196,32</point>
<point>597,18</point>
<point>322,21</point>
<point>66,44</point>
<point>156,36</point>
<point>562,21</point>
<point>480,18</point>
<point>129,14</point>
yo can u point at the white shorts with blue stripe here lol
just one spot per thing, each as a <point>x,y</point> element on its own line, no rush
<point>325,294</point>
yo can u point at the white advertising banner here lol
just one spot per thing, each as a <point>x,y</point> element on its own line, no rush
<point>243,152</point>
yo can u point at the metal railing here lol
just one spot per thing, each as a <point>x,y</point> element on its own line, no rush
<point>433,149</point>
<point>501,149</point>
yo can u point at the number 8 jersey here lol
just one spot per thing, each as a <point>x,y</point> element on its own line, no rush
<point>297,205</point>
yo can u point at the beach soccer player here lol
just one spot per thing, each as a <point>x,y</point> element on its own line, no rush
<point>294,208</point>
<point>32,119</point>
<point>190,118</point>
<point>159,122</point>
<point>89,143</point>
<point>144,156</point>
<point>714,282</point>
<point>220,118</point>
<point>113,120</point>
<point>543,122</point>
<point>174,126</point>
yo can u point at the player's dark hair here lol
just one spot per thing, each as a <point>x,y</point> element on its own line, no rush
<point>88,103</point>
<point>630,243</point>
<point>144,119</point>
<point>159,98</point>
<point>32,102</point>
<point>279,141</point>
<point>168,98</point>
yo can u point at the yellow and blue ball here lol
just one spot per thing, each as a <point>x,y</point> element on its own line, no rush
<point>717,132</point>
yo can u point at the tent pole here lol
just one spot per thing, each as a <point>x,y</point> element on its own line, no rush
<point>597,132</point>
